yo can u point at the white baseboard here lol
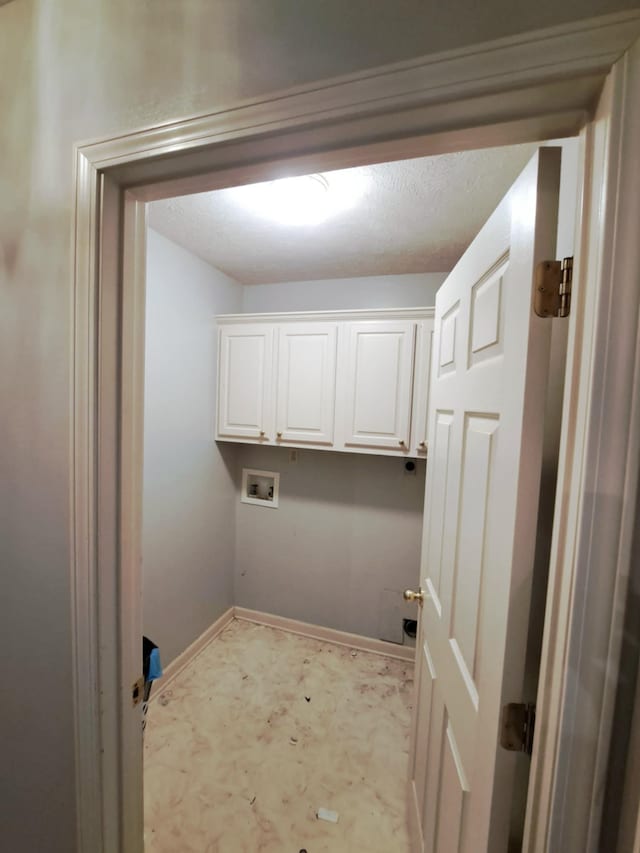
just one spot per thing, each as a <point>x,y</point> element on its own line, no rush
<point>184,659</point>
<point>329,635</point>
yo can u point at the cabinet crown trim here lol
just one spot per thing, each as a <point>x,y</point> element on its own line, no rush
<point>312,316</point>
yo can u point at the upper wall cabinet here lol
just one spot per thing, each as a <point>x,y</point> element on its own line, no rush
<point>306,386</point>
<point>378,383</point>
<point>245,380</point>
<point>421,376</point>
<point>353,381</point>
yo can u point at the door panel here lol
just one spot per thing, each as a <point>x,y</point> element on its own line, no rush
<point>379,383</point>
<point>306,382</point>
<point>245,378</point>
<point>489,378</point>
<point>452,789</point>
<point>468,568</point>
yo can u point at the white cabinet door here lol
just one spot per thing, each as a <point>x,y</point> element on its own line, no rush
<point>486,432</point>
<point>378,383</point>
<point>421,379</point>
<point>245,379</point>
<point>306,382</point>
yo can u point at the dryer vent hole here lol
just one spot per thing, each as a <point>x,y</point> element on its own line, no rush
<point>410,627</point>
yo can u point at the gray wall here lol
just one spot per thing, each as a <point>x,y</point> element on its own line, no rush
<point>348,526</point>
<point>380,291</point>
<point>73,71</point>
<point>189,490</point>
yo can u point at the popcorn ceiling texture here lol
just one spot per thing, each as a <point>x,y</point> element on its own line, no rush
<point>416,216</point>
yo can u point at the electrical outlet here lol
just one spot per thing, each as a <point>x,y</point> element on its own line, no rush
<point>293,456</point>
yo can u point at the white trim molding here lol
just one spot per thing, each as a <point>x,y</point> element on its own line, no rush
<point>327,635</point>
<point>531,87</point>
<point>535,85</point>
<point>597,488</point>
<point>353,314</point>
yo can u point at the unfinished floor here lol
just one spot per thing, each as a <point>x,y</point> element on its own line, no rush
<point>264,728</point>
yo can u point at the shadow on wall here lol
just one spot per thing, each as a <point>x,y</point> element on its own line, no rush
<point>339,479</point>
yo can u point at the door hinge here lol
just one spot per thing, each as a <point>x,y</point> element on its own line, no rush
<point>517,727</point>
<point>552,295</point>
<point>137,691</point>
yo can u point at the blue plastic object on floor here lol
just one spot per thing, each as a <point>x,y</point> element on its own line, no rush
<point>155,666</point>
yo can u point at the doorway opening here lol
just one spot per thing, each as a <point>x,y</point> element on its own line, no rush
<point>235,293</point>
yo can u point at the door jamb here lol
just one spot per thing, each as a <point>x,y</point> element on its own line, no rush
<point>388,113</point>
<point>597,489</point>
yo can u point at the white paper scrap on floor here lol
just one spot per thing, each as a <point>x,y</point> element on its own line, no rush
<point>262,726</point>
<point>328,815</point>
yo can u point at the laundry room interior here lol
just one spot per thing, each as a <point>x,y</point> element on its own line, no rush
<point>288,342</point>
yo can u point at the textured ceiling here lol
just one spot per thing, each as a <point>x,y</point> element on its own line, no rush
<point>415,216</point>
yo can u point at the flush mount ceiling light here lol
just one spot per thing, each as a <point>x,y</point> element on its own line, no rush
<point>305,200</point>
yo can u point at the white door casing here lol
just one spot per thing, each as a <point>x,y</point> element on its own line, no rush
<point>378,383</point>
<point>306,386</point>
<point>245,371</point>
<point>489,377</point>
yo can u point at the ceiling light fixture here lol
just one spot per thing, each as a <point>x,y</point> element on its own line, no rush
<point>306,200</point>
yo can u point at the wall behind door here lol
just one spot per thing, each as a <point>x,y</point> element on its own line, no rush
<point>189,491</point>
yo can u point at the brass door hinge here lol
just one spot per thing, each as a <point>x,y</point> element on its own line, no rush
<point>517,727</point>
<point>137,691</point>
<point>552,295</point>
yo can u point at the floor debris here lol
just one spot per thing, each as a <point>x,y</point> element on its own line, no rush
<point>328,815</point>
<point>308,698</point>
<point>202,747</point>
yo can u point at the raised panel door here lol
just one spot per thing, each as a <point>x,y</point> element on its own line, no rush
<point>486,427</point>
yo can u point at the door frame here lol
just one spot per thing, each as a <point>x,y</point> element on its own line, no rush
<point>492,94</point>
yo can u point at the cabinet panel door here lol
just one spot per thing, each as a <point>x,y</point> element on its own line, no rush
<point>306,382</point>
<point>379,383</point>
<point>245,382</point>
<point>421,380</point>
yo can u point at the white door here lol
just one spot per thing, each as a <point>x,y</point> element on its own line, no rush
<point>489,377</point>
<point>306,382</point>
<point>378,383</point>
<point>421,383</point>
<point>245,378</point>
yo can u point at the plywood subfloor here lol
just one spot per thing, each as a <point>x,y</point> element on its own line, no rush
<point>264,728</point>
